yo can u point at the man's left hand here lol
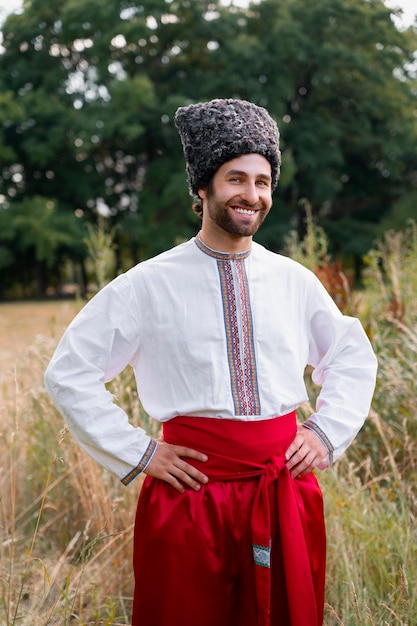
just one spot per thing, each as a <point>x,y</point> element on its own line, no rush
<point>305,453</point>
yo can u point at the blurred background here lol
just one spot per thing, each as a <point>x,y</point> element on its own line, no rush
<point>88,148</point>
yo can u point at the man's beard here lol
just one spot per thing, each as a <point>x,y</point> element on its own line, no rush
<point>228,220</point>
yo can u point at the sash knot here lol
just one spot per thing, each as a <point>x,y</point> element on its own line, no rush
<point>276,483</point>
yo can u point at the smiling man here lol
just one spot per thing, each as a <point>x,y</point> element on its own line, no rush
<point>238,200</point>
<point>229,527</point>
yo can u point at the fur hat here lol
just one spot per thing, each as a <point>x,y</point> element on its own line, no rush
<point>220,130</point>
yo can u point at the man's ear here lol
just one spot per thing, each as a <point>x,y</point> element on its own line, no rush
<point>202,193</point>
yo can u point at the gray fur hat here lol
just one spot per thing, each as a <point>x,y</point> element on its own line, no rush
<point>220,130</point>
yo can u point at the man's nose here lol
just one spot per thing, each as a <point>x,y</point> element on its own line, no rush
<point>250,193</point>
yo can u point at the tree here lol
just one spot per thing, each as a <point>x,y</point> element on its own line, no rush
<point>36,237</point>
<point>89,92</point>
<point>349,98</point>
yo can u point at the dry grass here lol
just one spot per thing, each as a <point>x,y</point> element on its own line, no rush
<point>23,323</point>
<point>66,528</point>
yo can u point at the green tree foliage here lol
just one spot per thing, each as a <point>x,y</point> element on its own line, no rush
<point>349,108</point>
<point>89,89</point>
<point>36,238</point>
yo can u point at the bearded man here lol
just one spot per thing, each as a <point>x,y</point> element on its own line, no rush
<point>230,528</point>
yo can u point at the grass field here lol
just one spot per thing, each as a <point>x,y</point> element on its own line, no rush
<point>23,324</point>
<point>66,529</point>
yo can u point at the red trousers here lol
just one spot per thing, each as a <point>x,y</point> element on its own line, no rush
<point>248,549</point>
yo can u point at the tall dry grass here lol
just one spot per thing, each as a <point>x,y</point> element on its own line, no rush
<point>371,493</point>
<point>66,525</point>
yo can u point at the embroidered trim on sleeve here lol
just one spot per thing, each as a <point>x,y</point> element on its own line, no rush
<point>323,437</point>
<point>143,463</point>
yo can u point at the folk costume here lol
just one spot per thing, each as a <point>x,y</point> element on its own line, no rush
<point>219,344</point>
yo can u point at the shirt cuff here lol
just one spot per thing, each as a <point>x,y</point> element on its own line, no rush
<point>323,438</point>
<point>143,463</point>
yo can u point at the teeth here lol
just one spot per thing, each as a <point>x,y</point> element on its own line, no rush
<point>245,211</point>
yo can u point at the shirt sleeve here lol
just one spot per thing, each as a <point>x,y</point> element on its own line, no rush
<point>345,367</point>
<point>99,343</point>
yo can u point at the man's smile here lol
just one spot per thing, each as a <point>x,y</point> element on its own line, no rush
<point>243,211</point>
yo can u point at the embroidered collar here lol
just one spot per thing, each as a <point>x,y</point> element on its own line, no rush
<point>221,256</point>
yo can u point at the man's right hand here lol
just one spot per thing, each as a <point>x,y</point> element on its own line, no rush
<point>168,465</point>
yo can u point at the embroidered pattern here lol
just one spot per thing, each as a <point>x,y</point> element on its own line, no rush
<point>313,426</point>
<point>142,464</point>
<point>239,337</point>
<point>239,329</point>
<point>262,556</point>
<point>249,369</point>
<point>220,255</point>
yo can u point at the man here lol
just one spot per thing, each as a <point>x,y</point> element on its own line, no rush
<point>218,330</point>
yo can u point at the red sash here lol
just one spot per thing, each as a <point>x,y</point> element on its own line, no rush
<point>242,450</point>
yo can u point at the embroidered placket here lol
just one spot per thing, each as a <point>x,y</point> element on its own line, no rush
<point>239,336</point>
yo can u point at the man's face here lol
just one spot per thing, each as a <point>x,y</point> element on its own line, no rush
<point>238,198</point>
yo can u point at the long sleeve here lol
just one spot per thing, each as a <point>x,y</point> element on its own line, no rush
<point>100,342</point>
<point>345,367</point>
